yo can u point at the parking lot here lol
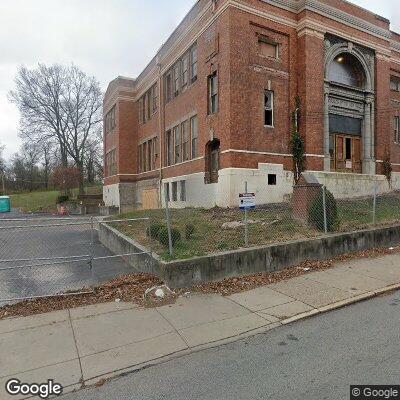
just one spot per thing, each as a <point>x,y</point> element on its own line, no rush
<point>46,255</point>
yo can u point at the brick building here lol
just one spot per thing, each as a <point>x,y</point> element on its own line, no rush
<point>213,109</point>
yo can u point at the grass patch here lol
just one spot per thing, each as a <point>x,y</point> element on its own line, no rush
<point>217,230</point>
<point>44,200</point>
<point>35,201</point>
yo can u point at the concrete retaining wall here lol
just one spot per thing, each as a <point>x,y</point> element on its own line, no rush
<point>271,258</point>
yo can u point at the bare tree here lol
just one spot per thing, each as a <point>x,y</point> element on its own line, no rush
<point>39,96</point>
<point>83,111</point>
<point>31,156</point>
<point>61,104</point>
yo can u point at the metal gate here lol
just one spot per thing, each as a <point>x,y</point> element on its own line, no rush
<point>43,257</point>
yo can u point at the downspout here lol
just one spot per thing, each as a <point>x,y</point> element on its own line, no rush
<point>161,127</point>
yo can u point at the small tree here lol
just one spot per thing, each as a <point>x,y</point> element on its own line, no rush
<point>387,168</point>
<point>297,144</point>
<point>317,215</point>
<point>66,179</point>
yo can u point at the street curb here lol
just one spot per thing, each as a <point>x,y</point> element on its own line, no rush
<point>252,333</point>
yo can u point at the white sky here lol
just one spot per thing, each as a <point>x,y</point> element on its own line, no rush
<point>106,38</point>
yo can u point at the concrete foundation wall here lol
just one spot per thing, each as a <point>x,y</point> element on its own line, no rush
<point>231,182</point>
<point>343,185</point>
<point>271,258</point>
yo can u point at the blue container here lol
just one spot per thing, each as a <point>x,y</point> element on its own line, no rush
<point>5,204</point>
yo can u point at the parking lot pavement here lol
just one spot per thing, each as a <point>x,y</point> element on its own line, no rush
<point>45,255</point>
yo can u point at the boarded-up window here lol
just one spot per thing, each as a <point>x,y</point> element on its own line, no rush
<point>268,49</point>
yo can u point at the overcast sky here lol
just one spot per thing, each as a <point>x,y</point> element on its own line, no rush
<point>106,38</point>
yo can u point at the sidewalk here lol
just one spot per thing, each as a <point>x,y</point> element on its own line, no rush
<point>87,344</point>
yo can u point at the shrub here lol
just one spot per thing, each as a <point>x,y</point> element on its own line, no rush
<point>189,231</point>
<point>62,199</point>
<point>316,212</point>
<point>163,236</point>
<point>153,230</point>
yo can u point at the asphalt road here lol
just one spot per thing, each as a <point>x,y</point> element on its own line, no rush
<point>30,248</point>
<point>315,359</point>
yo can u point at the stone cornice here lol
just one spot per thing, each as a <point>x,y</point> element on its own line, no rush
<point>149,74</point>
<point>297,6</point>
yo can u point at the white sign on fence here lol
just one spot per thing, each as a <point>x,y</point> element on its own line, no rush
<point>247,201</point>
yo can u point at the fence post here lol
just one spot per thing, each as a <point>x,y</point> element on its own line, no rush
<point>92,251</point>
<point>149,235</point>
<point>171,250</point>
<point>324,206</point>
<point>374,206</point>
<point>246,222</point>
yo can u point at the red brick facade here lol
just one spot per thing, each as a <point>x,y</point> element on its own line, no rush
<point>227,36</point>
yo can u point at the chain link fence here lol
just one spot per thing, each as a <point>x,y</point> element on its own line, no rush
<point>311,212</point>
<point>44,257</point>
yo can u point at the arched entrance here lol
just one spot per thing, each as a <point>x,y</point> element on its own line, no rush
<point>349,108</point>
<point>212,164</point>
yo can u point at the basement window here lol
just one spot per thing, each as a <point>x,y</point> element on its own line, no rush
<point>174,191</point>
<point>272,179</point>
<point>183,190</point>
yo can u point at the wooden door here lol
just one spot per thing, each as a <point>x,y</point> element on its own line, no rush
<point>357,164</point>
<point>348,153</point>
<point>340,163</point>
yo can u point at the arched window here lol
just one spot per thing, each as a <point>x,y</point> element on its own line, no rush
<point>212,161</point>
<point>345,69</point>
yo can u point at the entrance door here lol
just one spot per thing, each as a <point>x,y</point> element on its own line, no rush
<point>346,156</point>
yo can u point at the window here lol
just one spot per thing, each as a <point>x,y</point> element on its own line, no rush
<point>110,122</point>
<point>395,84</point>
<point>397,130</point>
<point>155,98</point>
<point>213,93</point>
<point>185,141</point>
<point>174,191</point>
<point>177,138</point>
<point>193,63</point>
<point>168,86</point>
<point>268,48</point>
<point>183,190</point>
<point>185,71</point>
<point>166,189</point>
<point>269,108</point>
<point>194,127</point>
<point>111,163</point>
<point>147,155</point>
<point>148,104</point>
<point>272,179</point>
<point>141,111</point>
<point>181,74</point>
<point>347,70</point>
<point>169,148</point>
<point>177,79</point>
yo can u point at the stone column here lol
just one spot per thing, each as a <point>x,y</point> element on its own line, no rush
<point>373,155</point>
<point>327,156</point>
<point>367,143</point>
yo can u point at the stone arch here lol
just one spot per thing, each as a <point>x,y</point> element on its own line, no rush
<point>349,101</point>
<point>212,161</point>
<point>344,48</point>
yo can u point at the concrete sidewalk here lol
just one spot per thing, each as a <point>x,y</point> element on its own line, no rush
<point>84,345</point>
